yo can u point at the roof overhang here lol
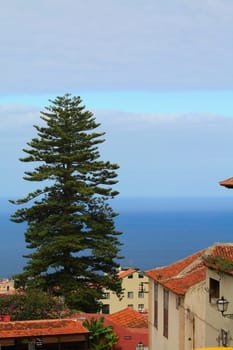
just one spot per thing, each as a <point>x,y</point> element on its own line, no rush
<point>228,183</point>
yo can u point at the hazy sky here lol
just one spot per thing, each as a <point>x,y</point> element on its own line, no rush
<point>158,74</point>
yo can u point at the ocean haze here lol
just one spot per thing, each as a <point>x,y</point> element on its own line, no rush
<point>155,232</point>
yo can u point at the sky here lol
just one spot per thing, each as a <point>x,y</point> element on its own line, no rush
<point>157,75</point>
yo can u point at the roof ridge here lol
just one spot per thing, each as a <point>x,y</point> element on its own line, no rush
<point>177,261</point>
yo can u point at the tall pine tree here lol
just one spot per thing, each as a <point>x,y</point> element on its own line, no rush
<point>70,223</point>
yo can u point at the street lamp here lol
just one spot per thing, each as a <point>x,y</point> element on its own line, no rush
<point>222,305</point>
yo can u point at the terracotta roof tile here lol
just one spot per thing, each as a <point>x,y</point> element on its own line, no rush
<point>128,337</point>
<point>41,328</point>
<point>225,251</point>
<point>183,274</point>
<point>227,183</point>
<point>129,318</point>
<point>174,269</point>
<point>125,273</point>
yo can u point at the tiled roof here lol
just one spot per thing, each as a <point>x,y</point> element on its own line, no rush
<point>125,273</point>
<point>129,337</point>
<point>225,250</point>
<point>41,328</point>
<point>183,274</point>
<point>129,318</point>
<point>227,183</point>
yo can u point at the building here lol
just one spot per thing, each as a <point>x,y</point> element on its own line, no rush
<point>135,293</point>
<point>7,286</point>
<point>132,328</point>
<point>45,334</point>
<point>130,325</point>
<point>183,313</point>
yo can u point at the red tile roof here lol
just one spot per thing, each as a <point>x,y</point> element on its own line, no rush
<point>227,183</point>
<point>129,318</point>
<point>183,274</point>
<point>125,273</point>
<point>225,251</point>
<point>41,328</point>
<point>129,336</point>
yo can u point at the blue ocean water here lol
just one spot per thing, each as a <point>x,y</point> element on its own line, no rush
<point>155,232</point>
<point>159,238</point>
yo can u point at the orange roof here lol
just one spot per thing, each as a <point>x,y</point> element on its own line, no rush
<point>41,328</point>
<point>129,318</point>
<point>227,183</point>
<point>183,274</point>
<point>223,249</point>
<point>125,273</point>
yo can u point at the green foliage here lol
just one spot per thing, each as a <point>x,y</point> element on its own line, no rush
<point>32,305</point>
<point>219,262</point>
<point>70,223</point>
<point>101,337</point>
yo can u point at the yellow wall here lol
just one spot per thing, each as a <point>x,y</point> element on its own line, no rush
<point>131,296</point>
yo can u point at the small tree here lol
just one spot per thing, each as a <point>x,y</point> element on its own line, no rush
<point>70,223</point>
<point>101,337</point>
<point>32,305</point>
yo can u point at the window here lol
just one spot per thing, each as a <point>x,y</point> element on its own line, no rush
<point>130,295</point>
<point>140,294</point>
<point>213,290</point>
<point>130,276</point>
<point>140,307</point>
<point>130,305</point>
<point>140,275</point>
<point>106,295</point>
<point>165,312</point>
<point>105,309</point>
<point>156,305</point>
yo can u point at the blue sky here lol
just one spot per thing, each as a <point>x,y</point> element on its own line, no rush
<point>157,75</point>
<point>200,101</point>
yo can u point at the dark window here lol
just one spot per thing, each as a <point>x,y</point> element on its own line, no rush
<point>130,295</point>
<point>213,290</point>
<point>140,307</point>
<point>105,309</point>
<point>165,312</point>
<point>140,275</point>
<point>130,276</point>
<point>156,305</point>
<point>141,294</point>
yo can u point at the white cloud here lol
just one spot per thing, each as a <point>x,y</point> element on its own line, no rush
<point>159,154</point>
<point>16,117</point>
<point>57,45</point>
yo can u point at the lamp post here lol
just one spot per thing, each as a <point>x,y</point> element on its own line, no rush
<point>222,305</point>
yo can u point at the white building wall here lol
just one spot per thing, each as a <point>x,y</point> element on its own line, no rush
<point>196,323</point>
<point>157,341</point>
<point>215,317</point>
<point>195,314</point>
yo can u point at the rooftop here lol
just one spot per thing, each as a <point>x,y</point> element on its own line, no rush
<point>129,318</point>
<point>125,273</point>
<point>183,274</point>
<point>41,328</point>
<point>227,183</point>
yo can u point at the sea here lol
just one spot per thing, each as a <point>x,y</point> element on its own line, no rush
<point>155,231</point>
